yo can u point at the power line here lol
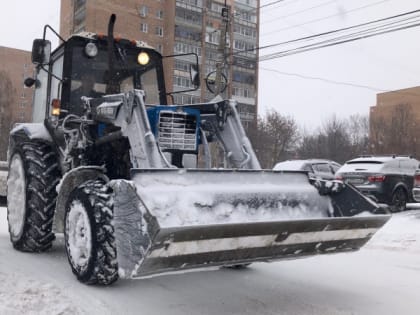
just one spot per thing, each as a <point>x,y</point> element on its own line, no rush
<point>307,77</point>
<point>365,32</point>
<point>324,18</point>
<point>312,37</point>
<point>260,7</point>
<point>300,11</point>
<point>318,46</point>
<point>271,3</point>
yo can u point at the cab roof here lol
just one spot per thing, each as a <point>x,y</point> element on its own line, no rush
<point>94,36</point>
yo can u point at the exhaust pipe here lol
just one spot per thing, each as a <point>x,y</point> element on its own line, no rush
<point>111,85</point>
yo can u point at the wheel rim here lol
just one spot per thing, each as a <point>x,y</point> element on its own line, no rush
<point>78,235</point>
<point>16,196</point>
<point>399,199</point>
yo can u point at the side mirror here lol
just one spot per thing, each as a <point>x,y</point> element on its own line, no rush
<point>41,52</point>
<point>195,75</point>
<point>211,82</point>
<point>187,64</point>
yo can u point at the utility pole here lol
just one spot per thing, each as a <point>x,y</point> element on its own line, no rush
<point>203,50</point>
<point>222,49</point>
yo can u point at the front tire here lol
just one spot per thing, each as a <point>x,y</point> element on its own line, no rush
<point>31,182</point>
<point>89,234</point>
<point>399,200</point>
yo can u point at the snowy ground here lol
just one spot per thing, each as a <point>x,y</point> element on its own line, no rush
<point>382,278</point>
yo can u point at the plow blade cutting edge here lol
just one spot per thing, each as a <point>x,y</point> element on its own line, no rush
<point>171,220</point>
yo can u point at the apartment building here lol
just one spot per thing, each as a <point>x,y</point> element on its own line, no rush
<point>15,98</point>
<point>395,122</point>
<point>183,26</point>
<point>17,68</point>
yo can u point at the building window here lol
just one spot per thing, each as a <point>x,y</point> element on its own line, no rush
<point>160,48</point>
<point>143,27</point>
<point>79,3</point>
<point>197,3</point>
<point>159,14</point>
<point>159,31</point>
<point>186,48</point>
<point>182,82</point>
<point>187,33</point>
<point>189,16</point>
<point>143,10</point>
<point>242,92</point>
<point>79,17</point>
<point>181,65</point>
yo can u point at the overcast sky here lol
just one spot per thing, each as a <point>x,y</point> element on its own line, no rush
<point>385,62</point>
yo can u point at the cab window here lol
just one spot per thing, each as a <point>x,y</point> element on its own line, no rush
<point>40,96</point>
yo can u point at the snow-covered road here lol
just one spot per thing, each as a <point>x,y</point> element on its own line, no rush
<point>383,278</point>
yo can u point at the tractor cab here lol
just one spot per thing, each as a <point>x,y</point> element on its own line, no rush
<point>93,65</point>
<point>83,66</point>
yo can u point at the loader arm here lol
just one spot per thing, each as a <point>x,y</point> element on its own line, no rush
<point>128,111</point>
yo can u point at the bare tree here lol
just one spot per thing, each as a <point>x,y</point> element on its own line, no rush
<point>274,138</point>
<point>338,139</point>
<point>7,99</point>
<point>378,129</point>
<point>358,131</point>
<point>401,133</point>
<point>338,147</point>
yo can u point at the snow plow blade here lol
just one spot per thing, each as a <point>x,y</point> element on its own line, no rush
<point>172,220</point>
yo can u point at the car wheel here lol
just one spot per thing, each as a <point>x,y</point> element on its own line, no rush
<point>399,200</point>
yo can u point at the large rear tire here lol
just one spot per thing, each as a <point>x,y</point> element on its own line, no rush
<point>89,234</point>
<point>31,195</point>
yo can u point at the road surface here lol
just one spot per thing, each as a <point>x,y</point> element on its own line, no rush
<point>383,278</point>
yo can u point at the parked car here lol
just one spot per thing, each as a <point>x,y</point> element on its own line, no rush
<point>316,168</point>
<point>416,186</point>
<point>385,179</point>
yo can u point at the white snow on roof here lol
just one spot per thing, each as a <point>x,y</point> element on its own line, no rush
<point>379,159</point>
<point>361,167</point>
<point>290,165</point>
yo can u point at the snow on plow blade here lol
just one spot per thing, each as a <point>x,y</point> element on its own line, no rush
<point>170,220</point>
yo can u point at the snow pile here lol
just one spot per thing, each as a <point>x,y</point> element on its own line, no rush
<point>402,232</point>
<point>194,198</point>
<point>19,295</point>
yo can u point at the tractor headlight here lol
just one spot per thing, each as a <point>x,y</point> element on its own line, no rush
<point>143,58</point>
<point>91,50</point>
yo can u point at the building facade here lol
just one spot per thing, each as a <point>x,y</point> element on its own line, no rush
<point>15,98</point>
<point>395,122</point>
<point>17,68</point>
<point>183,26</point>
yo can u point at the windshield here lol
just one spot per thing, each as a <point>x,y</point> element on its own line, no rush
<point>90,75</point>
